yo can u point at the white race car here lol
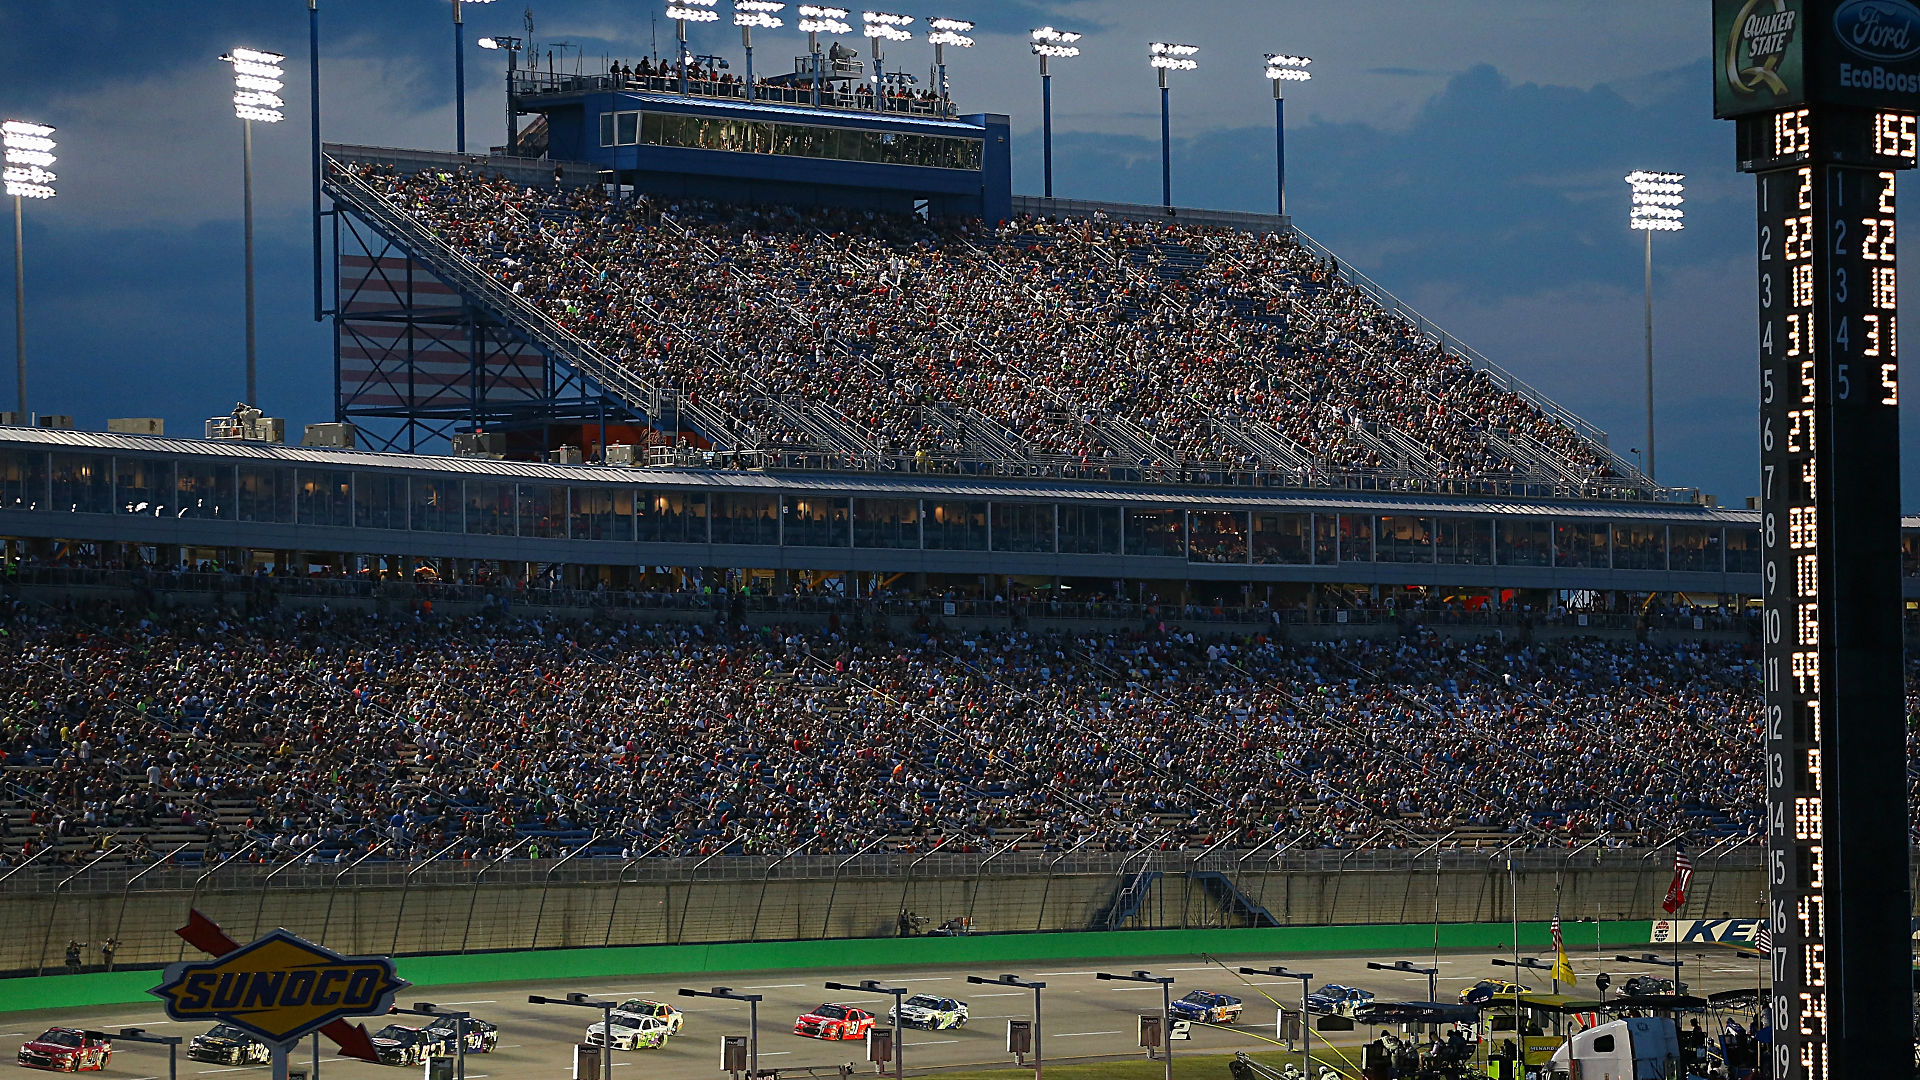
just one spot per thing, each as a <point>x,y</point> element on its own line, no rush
<point>931,1013</point>
<point>659,1010</point>
<point>631,1032</point>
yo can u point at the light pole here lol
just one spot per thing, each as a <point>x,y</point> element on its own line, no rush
<point>171,1042</point>
<point>1306,1025</point>
<point>748,14</point>
<point>1049,44</point>
<point>1282,70</point>
<point>683,12</point>
<point>1656,208</point>
<point>583,1001</point>
<point>313,102</point>
<point>753,1021</point>
<point>1408,966</point>
<point>1166,1004</point>
<point>881,26</point>
<point>1167,57</point>
<point>428,1008</point>
<point>511,46</point>
<point>29,150</point>
<point>813,22</point>
<point>460,77</point>
<point>256,96</point>
<point>1036,987</point>
<point>872,986</point>
<point>947,32</point>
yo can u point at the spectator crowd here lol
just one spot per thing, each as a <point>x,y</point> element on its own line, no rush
<point>342,732</point>
<point>1094,341</point>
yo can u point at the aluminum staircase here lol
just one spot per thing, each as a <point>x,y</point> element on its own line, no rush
<point>475,283</point>
<point>1127,900</point>
<point>1236,908</point>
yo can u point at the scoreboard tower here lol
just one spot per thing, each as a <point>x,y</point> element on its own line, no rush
<point>1824,95</point>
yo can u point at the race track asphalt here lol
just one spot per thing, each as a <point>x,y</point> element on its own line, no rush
<point>1085,1018</point>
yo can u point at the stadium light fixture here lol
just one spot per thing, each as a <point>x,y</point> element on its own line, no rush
<point>727,993</point>
<point>945,32</point>
<point>878,26</point>
<point>511,46</point>
<point>29,150</point>
<point>1281,70</point>
<point>256,96</point>
<point>1024,984</point>
<point>816,20</point>
<point>1655,207</point>
<point>748,14</point>
<point>1165,57</point>
<point>1165,982</point>
<point>1306,1027</point>
<point>874,986</point>
<point>460,76</point>
<point>1049,44</point>
<point>683,12</point>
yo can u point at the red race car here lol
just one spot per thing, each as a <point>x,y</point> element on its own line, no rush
<point>834,1022</point>
<point>68,1050</point>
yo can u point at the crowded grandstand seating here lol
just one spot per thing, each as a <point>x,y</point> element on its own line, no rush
<point>195,733</point>
<point>1093,341</point>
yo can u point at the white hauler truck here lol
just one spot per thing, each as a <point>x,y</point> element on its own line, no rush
<point>1638,1048</point>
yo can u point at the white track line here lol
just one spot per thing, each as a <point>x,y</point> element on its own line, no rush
<point>932,1042</point>
<point>1063,973</point>
<point>1016,993</point>
<point>779,986</point>
<point>1074,1034</point>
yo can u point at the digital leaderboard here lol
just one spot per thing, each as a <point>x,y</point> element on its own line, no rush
<point>1824,95</point>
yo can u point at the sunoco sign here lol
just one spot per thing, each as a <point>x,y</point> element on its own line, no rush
<point>279,988</point>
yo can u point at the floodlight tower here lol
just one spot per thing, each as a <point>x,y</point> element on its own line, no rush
<point>460,77</point>
<point>1049,43</point>
<point>748,14</point>
<point>29,150</point>
<point>1656,208</point>
<point>1166,57</point>
<point>511,46</point>
<point>881,26</point>
<point>683,12</point>
<point>947,32</point>
<point>1282,70</point>
<point>256,96</point>
<point>814,21</point>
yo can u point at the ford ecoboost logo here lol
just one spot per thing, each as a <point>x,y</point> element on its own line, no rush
<point>1884,30</point>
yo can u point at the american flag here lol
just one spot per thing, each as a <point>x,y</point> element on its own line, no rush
<point>1763,938</point>
<point>1558,945</point>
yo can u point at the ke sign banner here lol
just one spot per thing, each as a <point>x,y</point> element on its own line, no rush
<point>1777,54</point>
<point>279,988</point>
<point>1719,931</point>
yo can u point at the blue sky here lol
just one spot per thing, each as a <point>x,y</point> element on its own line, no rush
<point>1466,154</point>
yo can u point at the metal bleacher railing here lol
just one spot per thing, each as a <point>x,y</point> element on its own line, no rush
<point>843,448</point>
<point>798,92</point>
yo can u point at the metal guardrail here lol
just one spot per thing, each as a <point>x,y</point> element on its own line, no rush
<point>537,84</point>
<point>247,875</point>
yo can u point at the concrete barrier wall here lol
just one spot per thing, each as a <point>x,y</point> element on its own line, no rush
<point>491,917</point>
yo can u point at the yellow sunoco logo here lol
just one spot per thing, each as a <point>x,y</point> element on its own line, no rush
<point>279,987</point>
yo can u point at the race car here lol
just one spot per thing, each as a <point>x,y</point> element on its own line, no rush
<point>930,1013</point>
<point>834,1021</point>
<point>1485,989</point>
<point>1206,1007</point>
<point>68,1050</point>
<point>659,1010</point>
<point>1335,998</point>
<point>228,1045</point>
<point>1651,986</point>
<point>398,1044</point>
<point>479,1035</point>
<point>631,1031</point>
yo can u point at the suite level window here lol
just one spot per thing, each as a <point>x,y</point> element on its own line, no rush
<point>619,129</point>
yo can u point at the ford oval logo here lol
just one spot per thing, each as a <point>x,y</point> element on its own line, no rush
<point>1885,30</point>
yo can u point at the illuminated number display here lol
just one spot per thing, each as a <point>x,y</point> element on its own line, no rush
<point>1828,251</point>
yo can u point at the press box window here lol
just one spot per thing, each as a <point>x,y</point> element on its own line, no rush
<point>619,129</point>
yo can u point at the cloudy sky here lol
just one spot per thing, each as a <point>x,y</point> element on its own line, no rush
<point>1467,154</point>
